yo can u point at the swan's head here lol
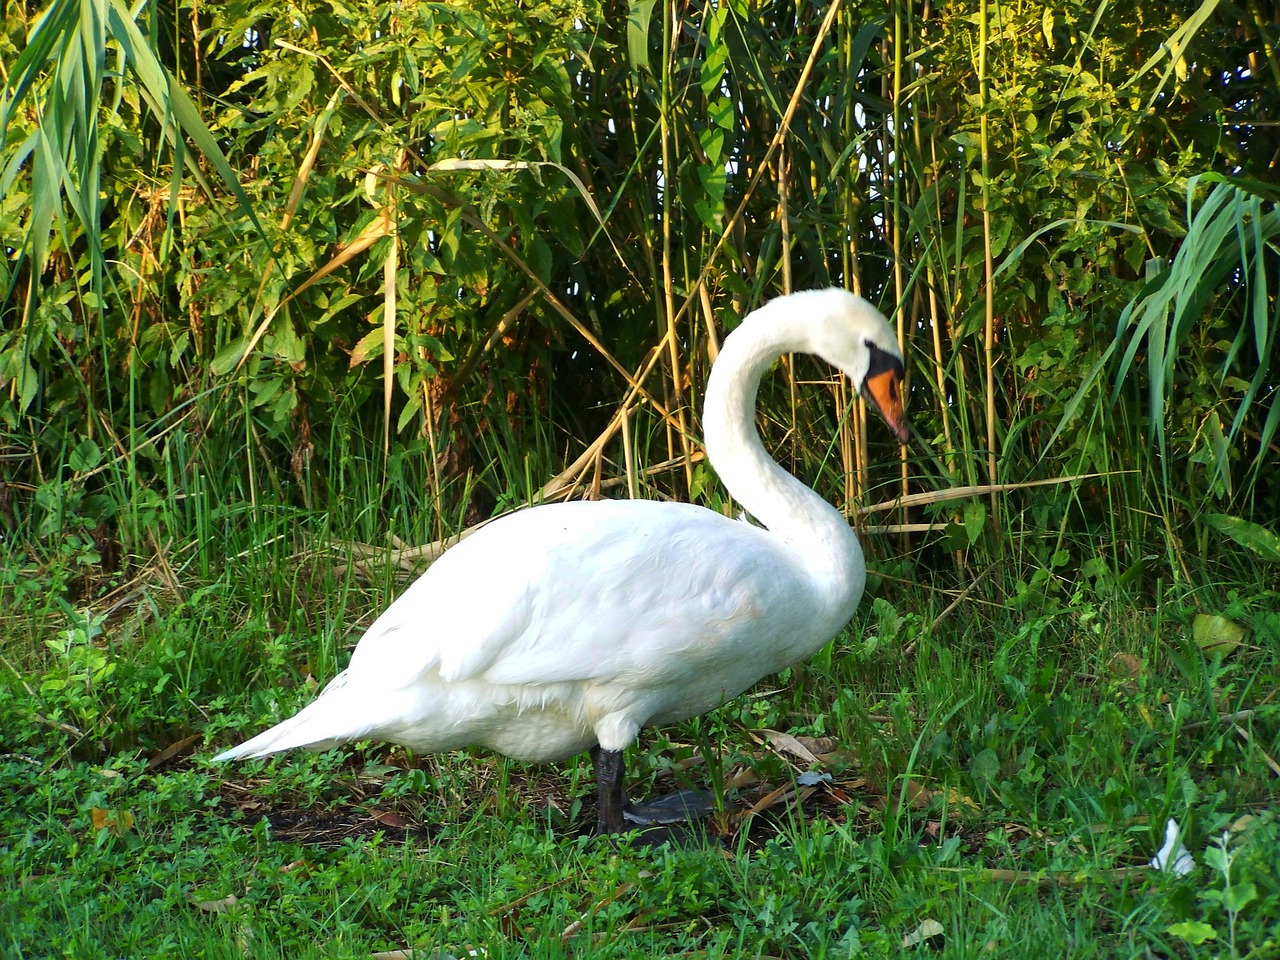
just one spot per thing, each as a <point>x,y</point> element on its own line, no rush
<point>851,334</point>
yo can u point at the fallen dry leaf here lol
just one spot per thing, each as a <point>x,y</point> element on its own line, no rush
<point>1126,665</point>
<point>919,795</point>
<point>781,795</point>
<point>818,746</point>
<point>957,799</point>
<point>216,906</point>
<point>389,819</point>
<point>840,796</point>
<point>118,822</point>
<point>786,743</point>
<point>171,751</point>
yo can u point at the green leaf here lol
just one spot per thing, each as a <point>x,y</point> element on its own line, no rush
<point>226,359</point>
<point>1214,634</point>
<point>86,455</point>
<point>985,767</point>
<point>286,345</point>
<point>1252,536</point>
<point>1239,896</point>
<point>15,367</point>
<point>975,518</point>
<point>1193,931</point>
<point>410,411</point>
<point>168,98</point>
<point>368,347</point>
<point>713,66</point>
<point>639,15</point>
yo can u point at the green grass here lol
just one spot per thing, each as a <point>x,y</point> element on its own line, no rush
<point>1005,772</point>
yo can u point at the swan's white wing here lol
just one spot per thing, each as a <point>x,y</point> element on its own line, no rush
<point>626,591</point>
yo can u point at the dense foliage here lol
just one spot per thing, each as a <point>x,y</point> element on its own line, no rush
<point>547,210</point>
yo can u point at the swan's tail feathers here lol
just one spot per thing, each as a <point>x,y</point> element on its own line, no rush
<point>283,736</point>
<point>326,722</point>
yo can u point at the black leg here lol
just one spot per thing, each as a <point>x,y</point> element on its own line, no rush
<point>609,784</point>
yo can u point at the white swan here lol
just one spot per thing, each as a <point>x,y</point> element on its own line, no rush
<point>570,626</point>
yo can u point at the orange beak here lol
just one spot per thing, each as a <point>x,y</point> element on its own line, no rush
<point>884,391</point>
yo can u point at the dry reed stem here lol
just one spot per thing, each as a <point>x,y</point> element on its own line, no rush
<point>668,280</point>
<point>567,480</point>
<point>973,490</point>
<point>389,266</point>
<point>899,295</point>
<point>629,457</point>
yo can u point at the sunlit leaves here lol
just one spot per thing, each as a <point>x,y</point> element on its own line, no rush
<point>1229,229</point>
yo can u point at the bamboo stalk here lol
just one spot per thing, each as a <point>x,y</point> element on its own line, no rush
<point>989,327</point>
<point>935,327</point>
<point>896,220</point>
<point>784,224</point>
<point>670,31</point>
<point>930,175</point>
<point>389,268</point>
<point>629,457</point>
<point>853,419</point>
<point>848,445</point>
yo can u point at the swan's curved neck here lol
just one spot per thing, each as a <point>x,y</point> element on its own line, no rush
<point>800,518</point>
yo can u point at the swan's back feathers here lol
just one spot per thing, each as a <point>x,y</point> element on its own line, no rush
<point>568,593</point>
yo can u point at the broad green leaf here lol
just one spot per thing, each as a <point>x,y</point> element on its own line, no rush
<point>286,345</point>
<point>1214,634</point>
<point>411,409</point>
<point>1238,896</point>
<point>85,456</point>
<point>975,518</point>
<point>714,65</point>
<point>639,17</point>
<point>985,767</point>
<point>1252,536</point>
<point>226,359</point>
<point>1193,931</point>
<point>368,347</point>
